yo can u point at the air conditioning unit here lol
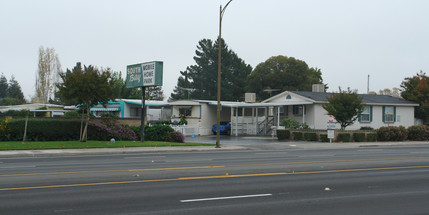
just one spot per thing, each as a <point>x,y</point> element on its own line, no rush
<point>250,97</point>
<point>319,88</point>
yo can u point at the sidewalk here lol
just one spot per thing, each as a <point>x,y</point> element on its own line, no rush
<point>228,143</point>
<point>94,151</point>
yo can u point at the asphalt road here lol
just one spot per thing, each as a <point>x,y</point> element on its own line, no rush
<point>373,180</point>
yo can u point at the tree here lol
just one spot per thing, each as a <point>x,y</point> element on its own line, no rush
<point>390,92</point>
<point>345,106</point>
<point>200,81</point>
<point>154,93</point>
<point>416,89</point>
<point>49,67</point>
<point>87,87</point>
<point>3,86</point>
<point>282,73</point>
<point>15,91</point>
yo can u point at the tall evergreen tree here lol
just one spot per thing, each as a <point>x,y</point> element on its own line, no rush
<point>199,81</point>
<point>3,86</point>
<point>14,90</point>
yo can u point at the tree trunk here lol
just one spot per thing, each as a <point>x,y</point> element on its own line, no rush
<point>85,130</point>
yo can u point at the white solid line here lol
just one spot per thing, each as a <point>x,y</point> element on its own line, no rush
<point>227,197</point>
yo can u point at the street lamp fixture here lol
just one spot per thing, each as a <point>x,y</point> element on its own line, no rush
<point>222,11</point>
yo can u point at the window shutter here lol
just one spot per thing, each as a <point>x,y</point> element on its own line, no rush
<point>384,118</point>
<point>394,114</point>
<point>370,113</point>
<point>360,118</point>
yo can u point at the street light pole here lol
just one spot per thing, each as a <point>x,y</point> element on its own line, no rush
<point>222,11</point>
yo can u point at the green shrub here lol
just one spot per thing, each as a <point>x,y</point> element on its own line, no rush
<point>45,129</point>
<point>371,137</point>
<point>157,132</point>
<point>366,128</point>
<point>72,113</point>
<point>324,138</point>
<point>17,113</point>
<point>291,123</point>
<point>165,122</point>
<point>391,133</point>
<point>283,134</point>
<point>418,132</point>
<point>343,137</point>
<point>358,137</point>
<point>297,135</point>
<point>310,136</point>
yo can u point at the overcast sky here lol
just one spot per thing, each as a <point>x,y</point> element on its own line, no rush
<point>347,40</point>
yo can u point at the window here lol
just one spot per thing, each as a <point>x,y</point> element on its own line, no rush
<point>297,110</point>
<point>389,114</point>
<point>366,115</point>
<point>185,111</point>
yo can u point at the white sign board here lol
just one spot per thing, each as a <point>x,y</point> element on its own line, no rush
<point>331,134</point>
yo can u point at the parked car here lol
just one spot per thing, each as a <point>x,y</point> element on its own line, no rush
<point>225,127</point>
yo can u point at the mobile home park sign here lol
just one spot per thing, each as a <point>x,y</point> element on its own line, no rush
<point>144,74</point>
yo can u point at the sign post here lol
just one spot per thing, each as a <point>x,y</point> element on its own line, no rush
<point>331,128</point>
<point>144,75</point>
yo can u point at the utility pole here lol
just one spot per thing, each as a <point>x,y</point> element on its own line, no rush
<point>222,11</point>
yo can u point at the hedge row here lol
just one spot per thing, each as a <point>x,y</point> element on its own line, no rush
<point>389,133</point>
<point>70,129</point>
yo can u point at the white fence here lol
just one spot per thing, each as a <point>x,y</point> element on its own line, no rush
<point>187,130</point>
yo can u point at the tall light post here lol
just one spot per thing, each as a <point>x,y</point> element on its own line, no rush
<point>222,11</point>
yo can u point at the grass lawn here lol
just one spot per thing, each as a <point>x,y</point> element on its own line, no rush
<point>16,145</point>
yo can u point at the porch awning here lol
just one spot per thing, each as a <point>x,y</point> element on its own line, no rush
<point>106,109</point>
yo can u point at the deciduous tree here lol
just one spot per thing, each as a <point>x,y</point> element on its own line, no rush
<point>86,86</point>
<point>345,106</point>
<point>416,89</point>
<point>49,67</point>
<point>282,73</point>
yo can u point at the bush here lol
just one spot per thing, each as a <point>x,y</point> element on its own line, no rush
<point>418,132</point>
<point>44,129</point>
<point>343,137</point>
<point>157,132</point>
<point>310,136</point>
<point>391,133</point>
<point>366,128</point>
<point>72,113</point>
<point>358,137</point>
<point>176,136</point>
<point>291,123</point>
<point>15,113</point>
<point>371,137</point>
<point>165,122</point>
<point>324,138</point>
<point>283,134</point>
<point>297,135</point>
<point>106,128</point>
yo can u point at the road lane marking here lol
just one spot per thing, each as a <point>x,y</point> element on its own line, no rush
<point>226,197</point>
<point>213,177</point>
<point>208,167</point>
